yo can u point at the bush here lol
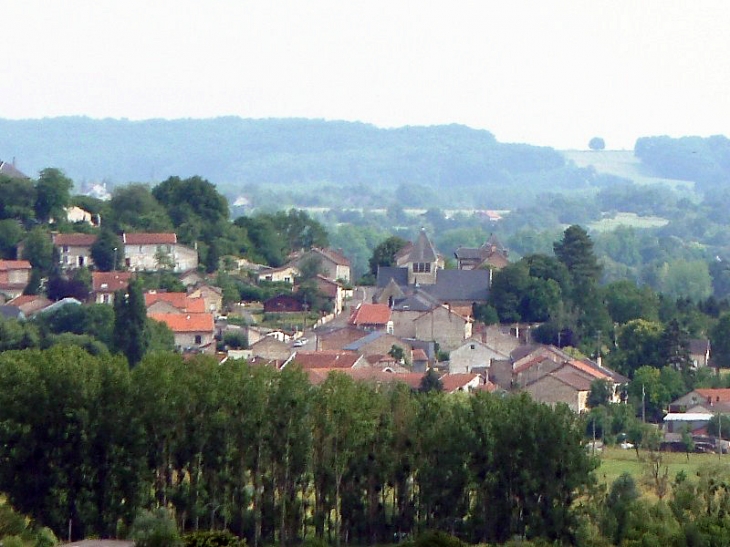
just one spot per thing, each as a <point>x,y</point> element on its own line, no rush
<point>235,340</point>
<point>155,529</point>
<point>212,538</point>
<point>435,538</point>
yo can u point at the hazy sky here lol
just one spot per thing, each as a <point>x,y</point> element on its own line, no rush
<point>545,71</point>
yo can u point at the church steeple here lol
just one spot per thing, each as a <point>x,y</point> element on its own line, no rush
<point>422,261</point>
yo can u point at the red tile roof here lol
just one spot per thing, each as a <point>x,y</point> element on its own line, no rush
<point>370,314</point>
<point>722,393</point>
<point>412,379</point>
<point>419,355</point>
<point>325,359</point>
<point>74,240</point>
<point>149,239</point>
<point>454,382</point>
<point>335,256</point>
<point>14,265</point>
<point>190,322</point>
<point>110,281</point>
<point>180,300</point>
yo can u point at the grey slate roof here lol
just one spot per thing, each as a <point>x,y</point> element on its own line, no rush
<point>468,253</point>
<point>460,285</point>
<point>418,301</point>
<point>11,312</point>
<point>9,170</point>
<point>423,250</point>
<point>357,344</point>
<point>386,273</point>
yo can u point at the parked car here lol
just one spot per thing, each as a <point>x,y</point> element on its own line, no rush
<point>300,343</point>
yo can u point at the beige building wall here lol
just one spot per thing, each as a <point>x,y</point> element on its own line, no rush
<point>551,391</point>
<point>472,354</point>
<point>444,327</point>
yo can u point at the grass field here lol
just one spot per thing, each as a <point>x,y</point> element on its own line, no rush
<point>615,461</point>
<point>621,163</point>
<point>630,220</point>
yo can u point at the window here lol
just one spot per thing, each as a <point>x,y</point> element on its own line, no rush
<point>65,248</point>
<point>198,339</point>
<point>421,267</point>
<point>104,298</point>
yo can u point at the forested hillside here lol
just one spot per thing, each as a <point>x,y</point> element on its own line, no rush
<point>243,154</point>
<point>703,160</point>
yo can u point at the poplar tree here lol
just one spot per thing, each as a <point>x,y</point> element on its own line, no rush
<point>131,335</point>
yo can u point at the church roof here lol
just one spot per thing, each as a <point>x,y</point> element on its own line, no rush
<point>423,250</point>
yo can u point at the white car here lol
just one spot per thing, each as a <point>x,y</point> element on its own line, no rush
<point>300,343</point>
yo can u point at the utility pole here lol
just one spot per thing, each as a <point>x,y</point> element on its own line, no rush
<point>643,404</point>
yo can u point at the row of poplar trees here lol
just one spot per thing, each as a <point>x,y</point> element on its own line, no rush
<point>86,443</point>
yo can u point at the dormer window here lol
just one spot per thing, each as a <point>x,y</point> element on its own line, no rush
<point>421,267</point>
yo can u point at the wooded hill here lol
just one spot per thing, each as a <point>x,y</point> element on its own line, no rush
<point>234,153</point>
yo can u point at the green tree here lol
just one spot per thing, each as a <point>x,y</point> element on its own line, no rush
<point>11,233</point>
<point>107,251</point>
<point>596,143</point>
<point>431,382</point>
<point>674,348</point>
<point>720,340</point>
<point>53,195</point>
<point>575,250</point>
<point>17,200</point>
<point>600,394</point>
<point>384,253</point>
<point>620,503</point>
<point>38,250</point>
<point>625,302</point>
<point>133,208</point>
<point>131,334</point>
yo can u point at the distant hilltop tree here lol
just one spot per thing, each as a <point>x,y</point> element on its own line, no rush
<point>596,143</point>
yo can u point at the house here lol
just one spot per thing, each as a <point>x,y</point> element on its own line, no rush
<point>172,302</point>
<point>283,303</point>
<point>564,385</point>
<point>30,304</point>
<point>76,214</point>
<point>473,355</point>
<point>327,360</point>
<point>699,352</point>
<point>192,331</point>
<point>9,170</point>
<point>269,348</point>
<point>372,317</point>
<point>454,383</point>
<point>191,278</point>
<point>491,255</point>
<point>332,291</point>
<point>531,363</point>
<point>442,325</point>
<point>338,338</point>
<point>332,263</point>
<point>377,343</point>
<point>157,251</point>
<point>212,296</point>
<point>702,400</point>
<point>285,274</point>
<point>14,277</point>
<point>74,249</point>
<point>105,284</point>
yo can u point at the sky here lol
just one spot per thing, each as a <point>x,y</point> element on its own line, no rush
<point>545,72</point>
